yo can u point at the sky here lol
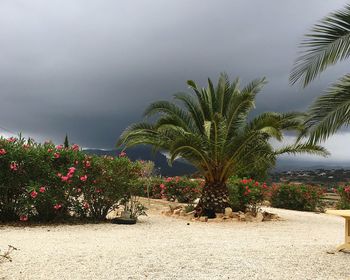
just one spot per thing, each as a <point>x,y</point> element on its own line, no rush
<point>89,68</point>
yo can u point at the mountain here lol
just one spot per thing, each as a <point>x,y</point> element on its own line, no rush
<point>178,168</point>
<point>293,165</point>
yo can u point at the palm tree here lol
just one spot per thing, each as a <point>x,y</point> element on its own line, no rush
<point>210,130</point>
<point>328,43</point>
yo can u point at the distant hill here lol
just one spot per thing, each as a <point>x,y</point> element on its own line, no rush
<point>292,165</point>
<point>178,168</point>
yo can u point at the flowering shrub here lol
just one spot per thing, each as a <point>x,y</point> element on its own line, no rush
<point>344,193</point>
<point>47,182</point>
<point>182,189</point>
<point>296,197</point>
<point>246,194</point>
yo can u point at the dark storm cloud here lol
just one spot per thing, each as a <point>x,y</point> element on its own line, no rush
<point>89,68</point>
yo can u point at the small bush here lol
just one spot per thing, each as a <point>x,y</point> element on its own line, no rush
<point>246,194</point>
<point>182,189</point>
<point>297,197</point>
<point>45,182</point>
<point>344,193</point>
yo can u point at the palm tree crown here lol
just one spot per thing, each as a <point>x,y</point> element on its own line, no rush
<point>328,43</point>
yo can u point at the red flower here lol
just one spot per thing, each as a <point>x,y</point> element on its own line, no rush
<point>64,178</point>
<point>122,154</point>
<point>23,218</point>
<point>57,206</point>
<point>86,205</point>
<point>75,147</point>
<point>87,164</point>
<point>59,147</point>
<point>162,186</point>
<point>14,166</point>
<point>83,178</point>
<point>56,155</point>
<point>33,194</point>
<point>11,139</point>
<point>2,152</point>
<point>42,189</point>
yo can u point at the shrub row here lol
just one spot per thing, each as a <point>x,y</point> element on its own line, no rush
<point>181,189</point>
<point>46,182</point>
<point>248,195</point>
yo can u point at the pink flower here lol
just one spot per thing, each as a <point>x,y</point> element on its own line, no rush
<point>86,205</point>
<point>59,175</point>
<point>65,178</point>
<point>122,154</point>
<point>71,170</point>
<point>83,178</point>
<point>42,189</point>
<point>162,186</point>
<point>14,166</point>
<point>56,155</point>
<point>98,190</point>
<point>76,162</point>
<point>26,146</point>
<point>59,147</point>
<point>11,139</point>
<point>347,189</point>
<point>33,194</point>
<point>87,164</point>
<point>75,147</point>
<point>168,179</point>
<point>2,152</point>
<point>23,218</point>
<point>57,206</point>
<point>49,150</point>
<point>79,190</point>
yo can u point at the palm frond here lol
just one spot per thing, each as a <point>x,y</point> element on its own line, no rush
<point>330,111</point>
<point>328,43</point>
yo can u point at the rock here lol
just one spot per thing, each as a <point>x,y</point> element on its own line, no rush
<point>235,215</point>
<point>177,211</point>
<point>182,213</point>
<point>203,219</point>
<point>259,217</point>
<point>219,215</point>
<point>249,216</point>
<point>228,211</point>
<point>269,216</point>
<point>241,217</point>
<point>190,213</point>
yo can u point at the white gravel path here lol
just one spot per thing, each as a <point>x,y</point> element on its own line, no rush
<point>162,247</point>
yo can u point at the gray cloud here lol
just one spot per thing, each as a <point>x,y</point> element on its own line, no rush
<point>89,68</point>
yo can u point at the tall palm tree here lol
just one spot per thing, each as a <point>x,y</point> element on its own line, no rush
<point>328,43</point>
<point>211,131</point>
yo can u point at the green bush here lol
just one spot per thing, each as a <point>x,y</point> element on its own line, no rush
<point>297,197</point>
<point>246,194</point>
<point>46,182</point>
<point>344,193</point>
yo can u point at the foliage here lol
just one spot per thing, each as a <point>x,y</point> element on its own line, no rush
<point>297,197</point>
<point>210,129</point>
<point>46,182</point>
<point>246,194</point>
<point>327,44</point>
<point>344,193</point>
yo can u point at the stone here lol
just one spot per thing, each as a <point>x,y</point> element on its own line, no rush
<point>203,219</point>
<point>228,211</point>
<point>241,217</point>
<point>259,217</point>
<point>177,211</point>
<point>219,215</point>
<point>182,213</point>
<point>235,215</point>
<point>249,216</point>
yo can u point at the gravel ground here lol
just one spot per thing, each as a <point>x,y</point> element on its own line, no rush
<point>162,247</point>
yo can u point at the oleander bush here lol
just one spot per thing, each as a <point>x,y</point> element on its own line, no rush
<point>46,182</point>
<point>344,193</point>
<point>179,188</point>
<point>247,194</point>
<point>297,197</point>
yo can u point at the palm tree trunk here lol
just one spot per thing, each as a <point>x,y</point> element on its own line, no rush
<point>214,199</point>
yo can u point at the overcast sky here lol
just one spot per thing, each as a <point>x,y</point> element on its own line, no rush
<point>89,68</point>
